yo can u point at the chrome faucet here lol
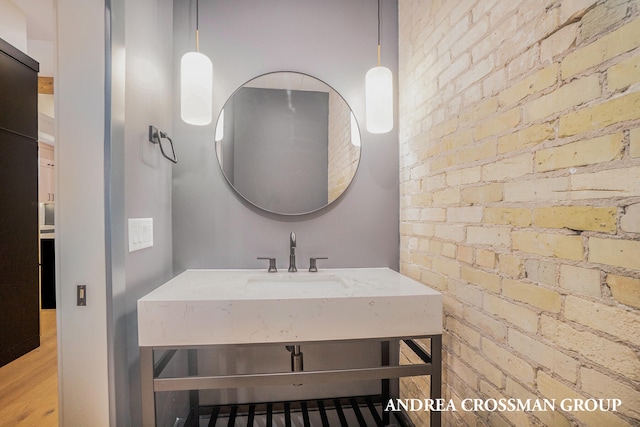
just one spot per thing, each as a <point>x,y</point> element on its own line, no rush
<point>292,253</point>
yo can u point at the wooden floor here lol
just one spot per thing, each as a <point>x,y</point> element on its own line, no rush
<point>29,385</point>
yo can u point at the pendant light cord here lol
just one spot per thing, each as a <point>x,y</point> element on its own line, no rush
<point>379,32</point>
<point>197,26</point>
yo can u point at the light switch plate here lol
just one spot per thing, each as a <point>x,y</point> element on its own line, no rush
<point>140,233</point>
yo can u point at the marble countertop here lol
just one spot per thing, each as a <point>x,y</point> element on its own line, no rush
<point>206,307</point>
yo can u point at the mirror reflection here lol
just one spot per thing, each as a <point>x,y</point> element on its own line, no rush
<point>288,143</point>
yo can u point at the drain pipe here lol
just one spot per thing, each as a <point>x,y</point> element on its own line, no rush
<point>296,358</point>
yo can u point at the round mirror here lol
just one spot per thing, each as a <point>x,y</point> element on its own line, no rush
<point>288,143</point>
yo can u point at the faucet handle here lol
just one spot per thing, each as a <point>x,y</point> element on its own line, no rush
<point>272,264</point>
<point>313,268</point>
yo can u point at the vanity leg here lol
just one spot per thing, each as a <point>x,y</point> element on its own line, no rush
<point>384,348</point>
<point>148,395</point>
<point>436,377</point>
<point>194,397</point>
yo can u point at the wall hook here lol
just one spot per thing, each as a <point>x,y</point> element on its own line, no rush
<point>156,136</point>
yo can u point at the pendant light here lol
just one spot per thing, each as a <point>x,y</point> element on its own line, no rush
<point>379,95</point>
<point>196,85</point>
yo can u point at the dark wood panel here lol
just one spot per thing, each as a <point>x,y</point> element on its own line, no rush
<point>18,92</point>
<point>19,290</point>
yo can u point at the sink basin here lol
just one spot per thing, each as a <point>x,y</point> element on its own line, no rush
<point>208,307</point>
<point>296,285</point>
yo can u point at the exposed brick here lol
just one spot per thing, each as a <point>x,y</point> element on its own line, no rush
<point>485,258</point>
<point>433,279</point>
<point>465,254</point>
<point>625,289</point>
<point>571,10</point>
<point>424,199</point>
<point>459,139</point>
<point>481,278</point>
<point>464,176</point>
<point>541,271</point>
<point>606,184</point>
<point>545,355</point>
<point>518,315</point>
<point>586,218</point>
<point>465,155</point>
<point>491,236</point>
<point>488,325</point>
<point>569,95</point>
<point>525,138</point>
<point>615,356</point>
<point>448,249</point>
<point>433,182</point>
<point>630,221</point>
<point>433,214</point>
<point>617,252</point>
<point>520,217</point>
<point>580,153</point>
<point>451,232</point>
<point>479,111</point>
<point>535,295</point>
<point>466,293</point>
<point>548,418</point>
<point>475,73</point>
<point>558,42</point>
<point>508,361</point>
<point>554,389</point>
<point>541,189</point>
<point>534,83</point>
<point>635,142</point>
<point>458,66</point>
<point>553,245</point>
<point>445,128</point>
<point>583,281</point>
<point>484,368</point>
<point>448,196</point>
<point>598,384</point>
<point>463,371</point>
<point>602,17</point>
<point>423,229</point>
<point>619,41</point>
<point>511,167</point>
<point>498,124</point>
<point>615,321</point>
<point>482,194</point>
<point>464,214</point>
<point>511,265</point>
<point>623,74</point>
<point>626,107</point>
<point>447,267</point>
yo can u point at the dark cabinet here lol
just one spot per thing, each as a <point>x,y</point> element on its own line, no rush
<point>19,293</point>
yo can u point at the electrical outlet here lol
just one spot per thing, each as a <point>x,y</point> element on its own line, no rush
<point>140,233</point>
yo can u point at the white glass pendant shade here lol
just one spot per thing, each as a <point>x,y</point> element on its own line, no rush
<point>379,99</point>
<point>355,132</point>
<point>220,127</point>
<point>196,92</point>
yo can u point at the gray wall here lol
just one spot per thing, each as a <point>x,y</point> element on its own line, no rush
<point>333,40</point>
<point>139,187</point>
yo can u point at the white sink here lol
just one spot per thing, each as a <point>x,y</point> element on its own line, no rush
<point>205,307</point>
<point>295,285</point>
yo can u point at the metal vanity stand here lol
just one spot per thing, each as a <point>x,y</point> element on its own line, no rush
<point>238,309</point>
<point>367,410</point>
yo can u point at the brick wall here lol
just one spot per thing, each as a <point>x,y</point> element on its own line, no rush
<point>520,199</point>
<point>343,155</point>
